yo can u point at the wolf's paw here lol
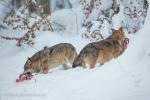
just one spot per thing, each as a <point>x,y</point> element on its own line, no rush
<point>45,71</point>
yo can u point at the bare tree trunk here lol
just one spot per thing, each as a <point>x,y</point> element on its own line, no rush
<point>70,5</point>
<point>47,6</point>
<point>16,3</point>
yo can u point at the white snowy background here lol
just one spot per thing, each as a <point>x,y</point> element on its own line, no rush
<point>124,78</point>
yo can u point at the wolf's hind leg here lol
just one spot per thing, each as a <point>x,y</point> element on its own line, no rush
<point>67,64</point>
<point>71,54</point>
<point>90,61</point>
<point>69,58</point>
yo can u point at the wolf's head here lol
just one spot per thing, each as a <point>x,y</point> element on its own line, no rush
<point>75,65</point>
<point>77,62</point>
<point>31,66</point>
<point>118,34</point>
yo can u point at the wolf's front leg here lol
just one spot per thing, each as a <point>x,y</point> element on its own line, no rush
<point>45,69</point>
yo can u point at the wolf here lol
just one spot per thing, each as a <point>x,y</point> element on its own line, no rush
<point>101,51</point>
<point>48,58</point>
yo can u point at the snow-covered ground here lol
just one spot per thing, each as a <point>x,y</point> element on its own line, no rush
<point>124,78</point>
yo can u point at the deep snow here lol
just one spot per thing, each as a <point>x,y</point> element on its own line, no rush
<point>124,78</point>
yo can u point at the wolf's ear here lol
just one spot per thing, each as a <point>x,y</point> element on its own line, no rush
<point>45,47</point>
<point>113,30</point>
<point>121,29</point>
<point>29,60</point>
<point>46,50</point>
